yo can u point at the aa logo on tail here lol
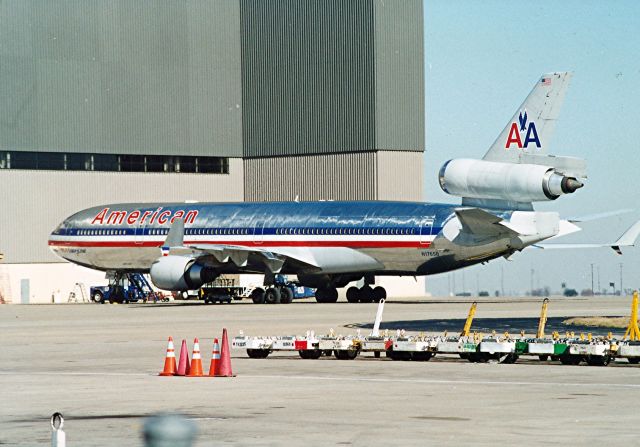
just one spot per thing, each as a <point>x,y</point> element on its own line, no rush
<point>522,134</point>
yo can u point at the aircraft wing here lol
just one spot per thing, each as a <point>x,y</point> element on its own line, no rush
<point>627,239</point>
<point>273,259</point>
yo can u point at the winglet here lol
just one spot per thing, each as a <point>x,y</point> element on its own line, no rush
<point>175,238</point>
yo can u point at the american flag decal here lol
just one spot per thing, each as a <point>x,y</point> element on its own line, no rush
<point>546,81</point>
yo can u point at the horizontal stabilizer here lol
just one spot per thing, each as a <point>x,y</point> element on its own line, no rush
<point>628,239</point>
<point>597,216</point>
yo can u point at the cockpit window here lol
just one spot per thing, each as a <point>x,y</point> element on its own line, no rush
<point>62,226</point>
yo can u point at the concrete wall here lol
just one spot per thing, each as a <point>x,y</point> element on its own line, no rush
<point>37,283</point>
<point>134,77</point>
<point>400,175</point>
<point>35,202</point>
<point>399,74</point>
<point>350,176</point>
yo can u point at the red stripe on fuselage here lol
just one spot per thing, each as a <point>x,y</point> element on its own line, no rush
<point>348,244</point>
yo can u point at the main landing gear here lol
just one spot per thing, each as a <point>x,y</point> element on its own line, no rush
<point>273,295</point>
<point>366,294</point>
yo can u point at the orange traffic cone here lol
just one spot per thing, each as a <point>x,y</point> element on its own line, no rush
<point>196,361</point>
<point>215,359</point>
<point>183,363</point>
<point>224,369</point>
<point>169,360</point>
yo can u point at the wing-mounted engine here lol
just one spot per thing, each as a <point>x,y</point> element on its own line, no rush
<point>180,273</point>
<point>511,182</point>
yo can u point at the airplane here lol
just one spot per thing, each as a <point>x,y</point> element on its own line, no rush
<point>329,244</point>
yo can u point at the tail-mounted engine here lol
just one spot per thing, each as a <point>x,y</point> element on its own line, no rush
<point>479,179</point>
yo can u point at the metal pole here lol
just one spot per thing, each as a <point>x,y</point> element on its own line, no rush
<point>621,288</point>
<point>58,437</point>
<point>592,291</point>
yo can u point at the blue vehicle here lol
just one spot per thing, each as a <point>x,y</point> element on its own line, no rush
<point>283,291</point>
<point>126,288</point>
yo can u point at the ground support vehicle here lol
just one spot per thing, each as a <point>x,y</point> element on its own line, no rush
<point>595,352</point>
<point>125,288</point>
<point>630,350</point>
<point>223,290</point>
<point>571,350</point>
<point>413,348</point>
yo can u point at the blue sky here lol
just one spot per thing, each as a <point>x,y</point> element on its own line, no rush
<point>481,60</point>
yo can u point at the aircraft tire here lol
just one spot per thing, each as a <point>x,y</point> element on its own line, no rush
<point>379,293</point>
<point>257,296</point>
<point>353,294</point>
<point>272,295</point>
<point>366,294</point>
<point>331,295</point>
<point>327,295</point>
<point>286,295</point>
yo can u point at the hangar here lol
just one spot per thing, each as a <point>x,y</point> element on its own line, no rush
<point>225,100</point>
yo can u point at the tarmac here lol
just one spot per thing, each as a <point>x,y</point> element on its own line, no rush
<point>98,365</point>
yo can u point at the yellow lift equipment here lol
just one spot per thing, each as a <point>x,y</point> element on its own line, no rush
<point>467,325</point>
<point>543,318</point>
<point>632,331</point>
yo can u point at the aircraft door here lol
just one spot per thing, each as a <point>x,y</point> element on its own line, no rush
<point>426,229</point>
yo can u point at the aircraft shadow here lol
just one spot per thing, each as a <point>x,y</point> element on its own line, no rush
<point>486,325</point>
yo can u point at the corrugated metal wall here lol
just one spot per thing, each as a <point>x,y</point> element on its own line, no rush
<point>35,202</point>
<point>312,177</point>
<point>307,76</point>
<point>399,175</point>
<point>399,71</point>
<point>120,76</point>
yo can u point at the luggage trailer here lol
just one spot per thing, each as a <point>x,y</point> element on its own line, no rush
<point>476,348</point>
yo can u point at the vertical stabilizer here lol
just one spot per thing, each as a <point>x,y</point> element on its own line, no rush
<point>530,130</point>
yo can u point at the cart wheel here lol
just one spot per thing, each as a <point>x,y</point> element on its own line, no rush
<point>510,359</point>
<point>98,297</point>
<point>421,356</point>
<point>258,353</point>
